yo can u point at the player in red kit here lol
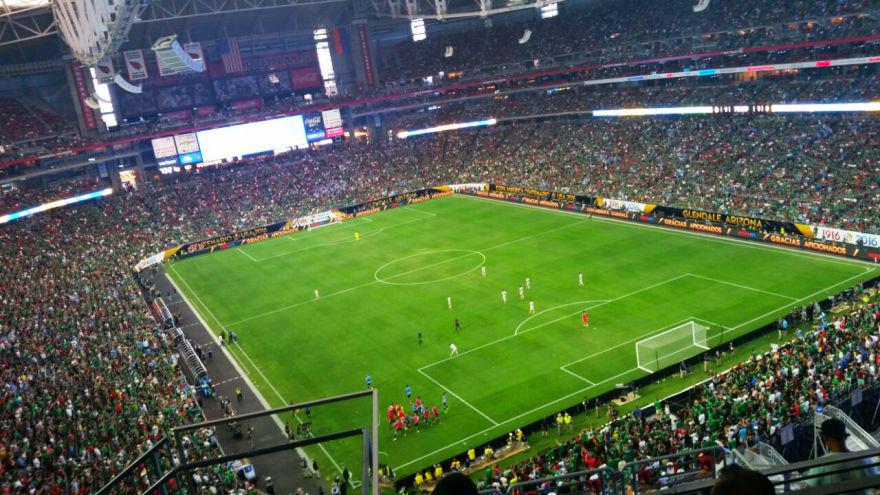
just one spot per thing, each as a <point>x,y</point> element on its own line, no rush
<point>585,319</point>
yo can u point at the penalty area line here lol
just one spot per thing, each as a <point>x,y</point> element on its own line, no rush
<point>481,413</point>
<point>572,373</point>
<point>240,250</point>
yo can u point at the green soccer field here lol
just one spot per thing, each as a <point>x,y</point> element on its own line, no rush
<point>514,368</point>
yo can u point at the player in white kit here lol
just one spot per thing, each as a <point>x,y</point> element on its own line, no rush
<point>522,293</point>
<point>504,296</point>
<point>531,307</point>
<point>528,283</point>
<point>581,279</point>
<point>483,270</point>
<point>453,351</point>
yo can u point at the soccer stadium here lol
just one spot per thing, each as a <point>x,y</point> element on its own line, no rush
<point>522,247</point>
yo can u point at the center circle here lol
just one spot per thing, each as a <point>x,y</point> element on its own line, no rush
<point>435,264</point>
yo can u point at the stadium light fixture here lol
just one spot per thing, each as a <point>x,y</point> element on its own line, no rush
<point>447,127</point>
<point>549,10</point>
<point>54,204</point>
<point>871,106</point>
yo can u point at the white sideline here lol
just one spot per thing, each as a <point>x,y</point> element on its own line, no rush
<point>743,286</point>
<point>830,258</point>
<point>250,384</point>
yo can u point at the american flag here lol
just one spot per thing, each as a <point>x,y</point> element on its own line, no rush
<point>230,55</point>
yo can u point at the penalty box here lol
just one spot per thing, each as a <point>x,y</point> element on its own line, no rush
<point>553,356</point>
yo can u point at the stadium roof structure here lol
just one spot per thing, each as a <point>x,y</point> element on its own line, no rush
<point>452,9</point>
<point>31,31</point>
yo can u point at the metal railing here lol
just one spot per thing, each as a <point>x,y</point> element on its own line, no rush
<point>190,359</point>
<point>160,454</point>
<point>672,469</point>
<point>851,472</point>
<point>854,429</point>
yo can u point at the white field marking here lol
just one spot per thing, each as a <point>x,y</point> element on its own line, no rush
<point>291,237</point>
<point>409,207</point>
<point>332,243</point>
<point>343,291</point>
<point>572,373</point>
<point>577,392</point>
<point>241,372</point>
<point>342,241</point>
<point>630,341</point>
<point>539,313</point>
<point>248,383</point>
<point>743,286</point>
<point>283,402</point>
<point>481,413</point>
<point>711,323</point>
<point>608,301</point>
<point>226,381</point>
<point>468,251</point>
<point>301,303</point>
<point>465,439</point>
<point>830,258</point>
<point>241,250</point>
<point>487,344</point>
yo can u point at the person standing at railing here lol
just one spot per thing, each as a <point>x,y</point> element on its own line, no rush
<point>833,434</point>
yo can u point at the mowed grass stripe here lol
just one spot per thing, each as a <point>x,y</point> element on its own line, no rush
<point>325,347</point>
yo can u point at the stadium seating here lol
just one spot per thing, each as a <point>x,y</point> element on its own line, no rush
<point>88,377</point>
<point>737,409</point>
<point>72,309</point>
<point>633,27</point>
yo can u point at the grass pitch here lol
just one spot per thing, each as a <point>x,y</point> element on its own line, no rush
<point>377,293</point>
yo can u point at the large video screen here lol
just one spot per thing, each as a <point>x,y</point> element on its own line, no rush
<point>256,137</point>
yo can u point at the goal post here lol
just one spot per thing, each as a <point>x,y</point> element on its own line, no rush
<point>671,346</point>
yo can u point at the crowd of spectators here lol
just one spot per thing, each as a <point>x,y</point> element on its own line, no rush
<point>752,402</point>
<point>89,381</point>
<point>621,30</point>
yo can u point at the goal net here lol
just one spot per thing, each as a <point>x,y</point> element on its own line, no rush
<point>671,346</point>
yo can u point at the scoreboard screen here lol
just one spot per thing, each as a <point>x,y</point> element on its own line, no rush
<point>164,147</point>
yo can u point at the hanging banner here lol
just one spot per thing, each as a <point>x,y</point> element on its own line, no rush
<point>366,57</point>
<point>122,83</point>
<point>105,71</point>
<point>135,65</point>
<point>82,92</point>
